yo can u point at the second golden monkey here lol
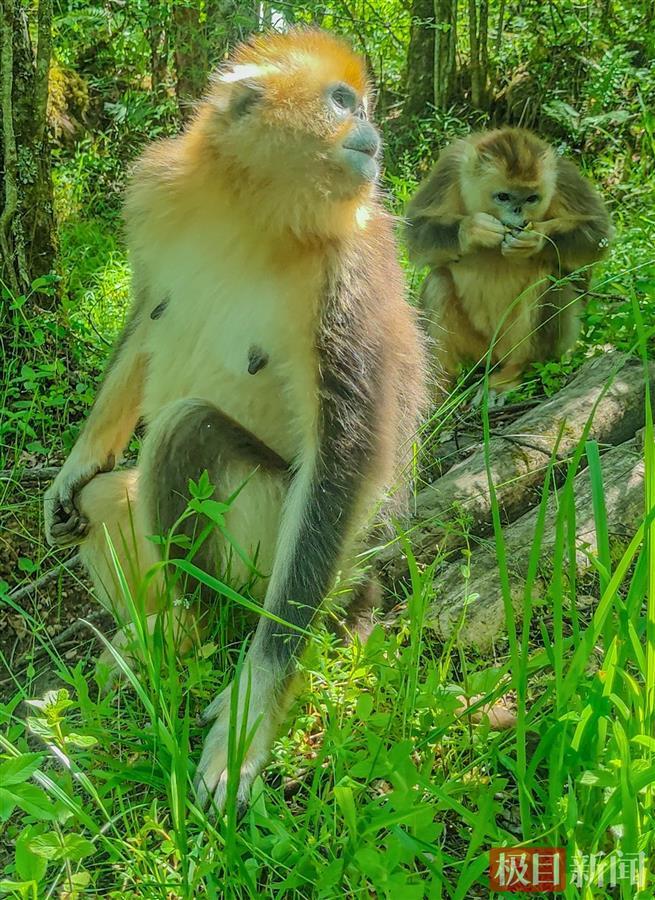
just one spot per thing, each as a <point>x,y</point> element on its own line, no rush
<point>503,223</point>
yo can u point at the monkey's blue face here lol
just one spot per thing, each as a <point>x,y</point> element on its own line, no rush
<point>516,206</point>
<point>360,143</point>
<point>359,151</point>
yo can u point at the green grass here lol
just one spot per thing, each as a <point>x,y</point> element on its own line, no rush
<point>389,787</point>
<point>381,784</point>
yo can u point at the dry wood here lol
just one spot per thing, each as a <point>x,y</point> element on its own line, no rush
<point>72,563</point>
<point>29,475</point>
<point>475,607</point>
<point>609,390</point>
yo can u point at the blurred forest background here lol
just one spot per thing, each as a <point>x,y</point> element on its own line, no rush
<point>85,86</point>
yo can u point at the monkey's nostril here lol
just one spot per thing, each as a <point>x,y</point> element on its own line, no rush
<point>364,140</point>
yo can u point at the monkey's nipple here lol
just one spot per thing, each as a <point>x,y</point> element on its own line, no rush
<point>257,359</point>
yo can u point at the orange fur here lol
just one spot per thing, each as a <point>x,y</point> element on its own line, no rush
<point>236,162</point>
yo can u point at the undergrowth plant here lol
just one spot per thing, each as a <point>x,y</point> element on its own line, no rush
<point>381,783</point>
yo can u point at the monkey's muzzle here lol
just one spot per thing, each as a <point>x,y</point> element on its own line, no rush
<point>517,225</point>
<point>360,149</point>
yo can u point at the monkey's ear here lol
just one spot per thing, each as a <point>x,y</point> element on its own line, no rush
<point>371,102</point>
<point>243,97</point>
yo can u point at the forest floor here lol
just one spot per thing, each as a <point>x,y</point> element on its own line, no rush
<point>403,761</point>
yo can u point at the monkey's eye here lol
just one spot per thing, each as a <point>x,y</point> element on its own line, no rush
<point>532,198</point>
<point>343,98</point>
<point>502,197</point>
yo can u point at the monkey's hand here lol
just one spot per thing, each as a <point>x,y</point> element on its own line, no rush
<point>254,722</point>
<point>522,244</point>
<point>480,230</point>
<point>64,524</point>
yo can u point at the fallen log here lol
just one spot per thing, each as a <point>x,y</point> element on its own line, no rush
<point>609,389</point>
<point>474,606</point>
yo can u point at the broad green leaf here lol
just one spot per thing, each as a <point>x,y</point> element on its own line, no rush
<point>80,740</point>
<point>19,768</point>
<point>47,846</point>
<point>29,865</point>
<point>28,797</point>
<point>72,847</point>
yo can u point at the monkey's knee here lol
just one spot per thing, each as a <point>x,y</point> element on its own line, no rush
<point>115,552</point>
<point>189,438</point>
<point>109,498</point>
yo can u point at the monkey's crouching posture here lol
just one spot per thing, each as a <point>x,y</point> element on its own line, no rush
<point>269,344</point>
<point>510,232</point>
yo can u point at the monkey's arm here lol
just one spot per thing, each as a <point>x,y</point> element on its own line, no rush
<point>580,230</point>
<point>437,231</point>
<point>438,241</point>
<point>104,436</point>
<point>432,242</point>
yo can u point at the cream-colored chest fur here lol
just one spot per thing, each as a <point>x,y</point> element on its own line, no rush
<point>223,307</point>
<point>495,290</point>
<point>488,285</point>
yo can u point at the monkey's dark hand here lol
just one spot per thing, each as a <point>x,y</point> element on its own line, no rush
<point>64,523</point>
<point>255,723</point>
<point>522,244</point>
<point>480,230</point>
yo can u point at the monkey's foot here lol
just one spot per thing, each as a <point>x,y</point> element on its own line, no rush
<point>238,739</point>
<point>506,379</point>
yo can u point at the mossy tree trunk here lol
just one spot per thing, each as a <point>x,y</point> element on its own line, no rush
<point>157,33</point>
<point>27,226</point>
<point>203,35</point>
<point>191,52</point>
<point>419,74</point>
<point>479,44</point>
<point>445,52</point>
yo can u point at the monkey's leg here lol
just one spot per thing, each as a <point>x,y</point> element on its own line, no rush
<point>514,346</point>
<point>456,340</point>
<point>189,437</point>
<point>558,326</point>
<point>112,506</point>
<point>544,327</point>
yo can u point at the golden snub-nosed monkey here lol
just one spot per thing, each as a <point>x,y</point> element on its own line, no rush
<point>268,343</point>
<point>510,232</point>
